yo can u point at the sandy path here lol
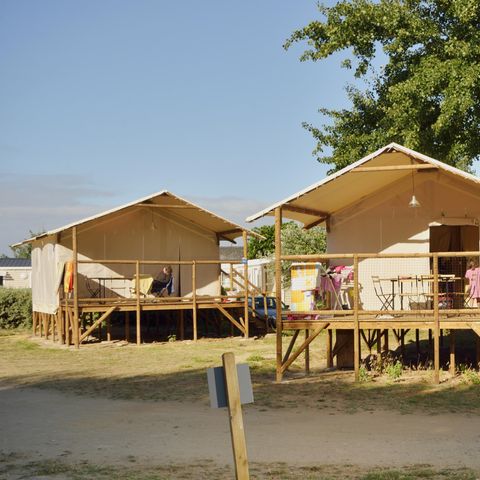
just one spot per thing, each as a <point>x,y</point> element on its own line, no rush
<point>46,424</point>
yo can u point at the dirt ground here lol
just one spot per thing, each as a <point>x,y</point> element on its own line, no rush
<point>50,425</point>
<point>45,424</point>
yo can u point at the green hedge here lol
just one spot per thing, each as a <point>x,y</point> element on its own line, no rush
<point>15,307</point>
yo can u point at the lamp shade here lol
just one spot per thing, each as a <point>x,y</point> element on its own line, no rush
<point>414,203</point>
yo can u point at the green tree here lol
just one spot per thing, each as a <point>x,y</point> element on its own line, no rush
<point>25,250</point>
<point>262,247</point>
<point>295,241</point>
<point>426,96</point>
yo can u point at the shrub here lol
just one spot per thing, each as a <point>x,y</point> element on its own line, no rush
<point>394,370</point>
<point>363,375</point>
<point>15,307</point>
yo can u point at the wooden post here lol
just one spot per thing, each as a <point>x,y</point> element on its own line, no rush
<point>54,327</point>
<point>245,275</point>
<point>237,431</point>
<point>67,325</point>
<point>452,352</point>
<point>436,317</point>
<point>138,309</point>
<point>402,343</point>
<point>47,325</point>
<point>356,330</point>
<point>127,326</point>
<point>34,324</point>
<point>278,289</point>
<point>477,348</point>
<point>75,333</point>
<point>417,341</point>
<point>329,348</point>
<point>307,354</point>
<point>194,300</point>
<point>386,345</point>
<point>182,325</point>
<point>109,330</point>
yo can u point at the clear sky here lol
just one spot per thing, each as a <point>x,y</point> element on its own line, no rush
<point>102,102</point>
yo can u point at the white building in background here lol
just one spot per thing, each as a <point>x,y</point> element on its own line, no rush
<point>15,273</point>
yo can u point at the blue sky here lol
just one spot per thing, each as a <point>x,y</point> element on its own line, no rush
<point>106,101</point>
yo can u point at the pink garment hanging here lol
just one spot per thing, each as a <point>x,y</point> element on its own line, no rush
<point>473,276</point>
<point>330,283</point>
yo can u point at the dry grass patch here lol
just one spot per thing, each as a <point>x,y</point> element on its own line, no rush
<point>176,371</point>
<point>15,467</point>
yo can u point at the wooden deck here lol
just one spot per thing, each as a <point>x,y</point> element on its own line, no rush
<point>95,314</point>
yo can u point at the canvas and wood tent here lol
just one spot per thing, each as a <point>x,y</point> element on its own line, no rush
<point>371,226</point>
<point>113,251</point>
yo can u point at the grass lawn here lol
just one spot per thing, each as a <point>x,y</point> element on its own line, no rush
<point>13,467</point>
<point>176,371</point>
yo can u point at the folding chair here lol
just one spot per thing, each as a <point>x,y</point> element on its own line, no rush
<point>386,299</point>
<point>408,289</point>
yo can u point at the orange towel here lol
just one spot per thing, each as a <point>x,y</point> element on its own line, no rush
<point>68,277</point>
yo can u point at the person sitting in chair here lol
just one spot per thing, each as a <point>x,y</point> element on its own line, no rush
<point>163,285</point>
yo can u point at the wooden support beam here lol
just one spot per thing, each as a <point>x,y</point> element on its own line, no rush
<point>67,324</point>
<point>436,337</point>
<point>356,329</point>
<point>306,211</point>
<point>329,348</point>
<point>307,353</point>
<point>308,226</point>
<point>127,326</point>
<point>138,308</point>
<point>232,230</point>
<point>245,278</point>
<point>194,298</point>
<point>290,346</point>
<point>76,332</point>
<point>303,346</point>
<point>92,327</point>
<point>230,317</point>
<point>278,290</point>
<point>394,168</point>
<point>182,325</point>
<point>452,352</point>
<point>156,205</point>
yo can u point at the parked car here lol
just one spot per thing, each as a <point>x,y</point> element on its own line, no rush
<point>271,308</point>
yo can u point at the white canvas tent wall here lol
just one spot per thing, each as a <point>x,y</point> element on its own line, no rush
<point>159,227</point>
<point>365,209</point>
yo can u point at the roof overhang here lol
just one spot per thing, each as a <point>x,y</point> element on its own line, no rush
<point>315,204</point>
<point>165,201</point>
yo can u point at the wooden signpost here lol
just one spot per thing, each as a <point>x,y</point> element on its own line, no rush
<point>231,386</point>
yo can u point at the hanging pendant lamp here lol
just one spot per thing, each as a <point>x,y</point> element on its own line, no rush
<point>414,203</point>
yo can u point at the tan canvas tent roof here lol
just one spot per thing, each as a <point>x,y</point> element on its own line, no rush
<point>314,204</point>
<point>226,229</point>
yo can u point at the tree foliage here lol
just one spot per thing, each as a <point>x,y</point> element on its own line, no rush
<point>295,241</point>
<point>25,250</point>
<point>261,248</point>
<point>426,97</point>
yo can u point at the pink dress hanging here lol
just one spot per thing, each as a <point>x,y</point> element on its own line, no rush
<point>473,276</point>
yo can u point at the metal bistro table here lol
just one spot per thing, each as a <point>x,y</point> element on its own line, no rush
<point>97,286</point>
